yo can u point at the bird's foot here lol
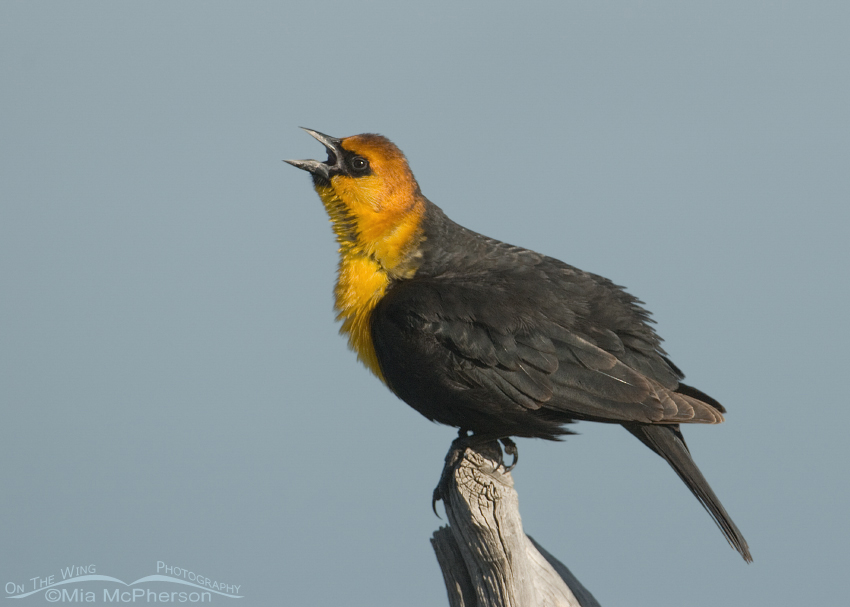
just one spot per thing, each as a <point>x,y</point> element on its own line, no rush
<point>454,456</point>
<point>510,449</point>
<point>459,447</point>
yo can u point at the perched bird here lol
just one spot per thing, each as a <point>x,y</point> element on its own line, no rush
<point>491,338</point>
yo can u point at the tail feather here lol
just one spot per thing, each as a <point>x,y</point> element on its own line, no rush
<point>667,441</point>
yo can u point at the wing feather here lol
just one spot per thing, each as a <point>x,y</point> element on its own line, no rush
<point>589,355</point>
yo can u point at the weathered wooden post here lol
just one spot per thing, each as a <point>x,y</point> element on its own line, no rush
<point>486,558</point>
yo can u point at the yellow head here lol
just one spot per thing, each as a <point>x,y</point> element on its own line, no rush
<point>371,196</point>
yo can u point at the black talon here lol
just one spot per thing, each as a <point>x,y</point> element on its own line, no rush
<point>454,455</point>
<point>510,449</point>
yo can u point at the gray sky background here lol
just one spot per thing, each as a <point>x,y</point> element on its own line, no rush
<point>172,385</point>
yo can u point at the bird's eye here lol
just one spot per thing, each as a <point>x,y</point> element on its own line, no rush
<point>359,164</point>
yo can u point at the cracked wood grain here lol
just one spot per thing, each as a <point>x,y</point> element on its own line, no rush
<point>485,556</point>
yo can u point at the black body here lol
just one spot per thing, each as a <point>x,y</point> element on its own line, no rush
<point>503,341</point>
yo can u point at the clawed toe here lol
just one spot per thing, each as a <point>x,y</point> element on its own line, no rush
<point>455,454</point>
<point>510,449</point>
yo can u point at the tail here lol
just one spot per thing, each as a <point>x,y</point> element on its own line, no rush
<point>667,441</point>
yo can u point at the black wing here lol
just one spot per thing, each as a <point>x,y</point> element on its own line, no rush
<point>523,349</point>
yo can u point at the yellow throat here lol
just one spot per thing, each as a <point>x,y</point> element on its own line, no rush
<point>375,247</point>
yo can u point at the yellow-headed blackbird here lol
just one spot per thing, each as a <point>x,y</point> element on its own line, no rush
<point>491,338</point>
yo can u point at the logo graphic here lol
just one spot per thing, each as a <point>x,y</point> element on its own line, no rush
<point>76,586</point>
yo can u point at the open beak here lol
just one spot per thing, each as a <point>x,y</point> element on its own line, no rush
<point>322,169</point>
